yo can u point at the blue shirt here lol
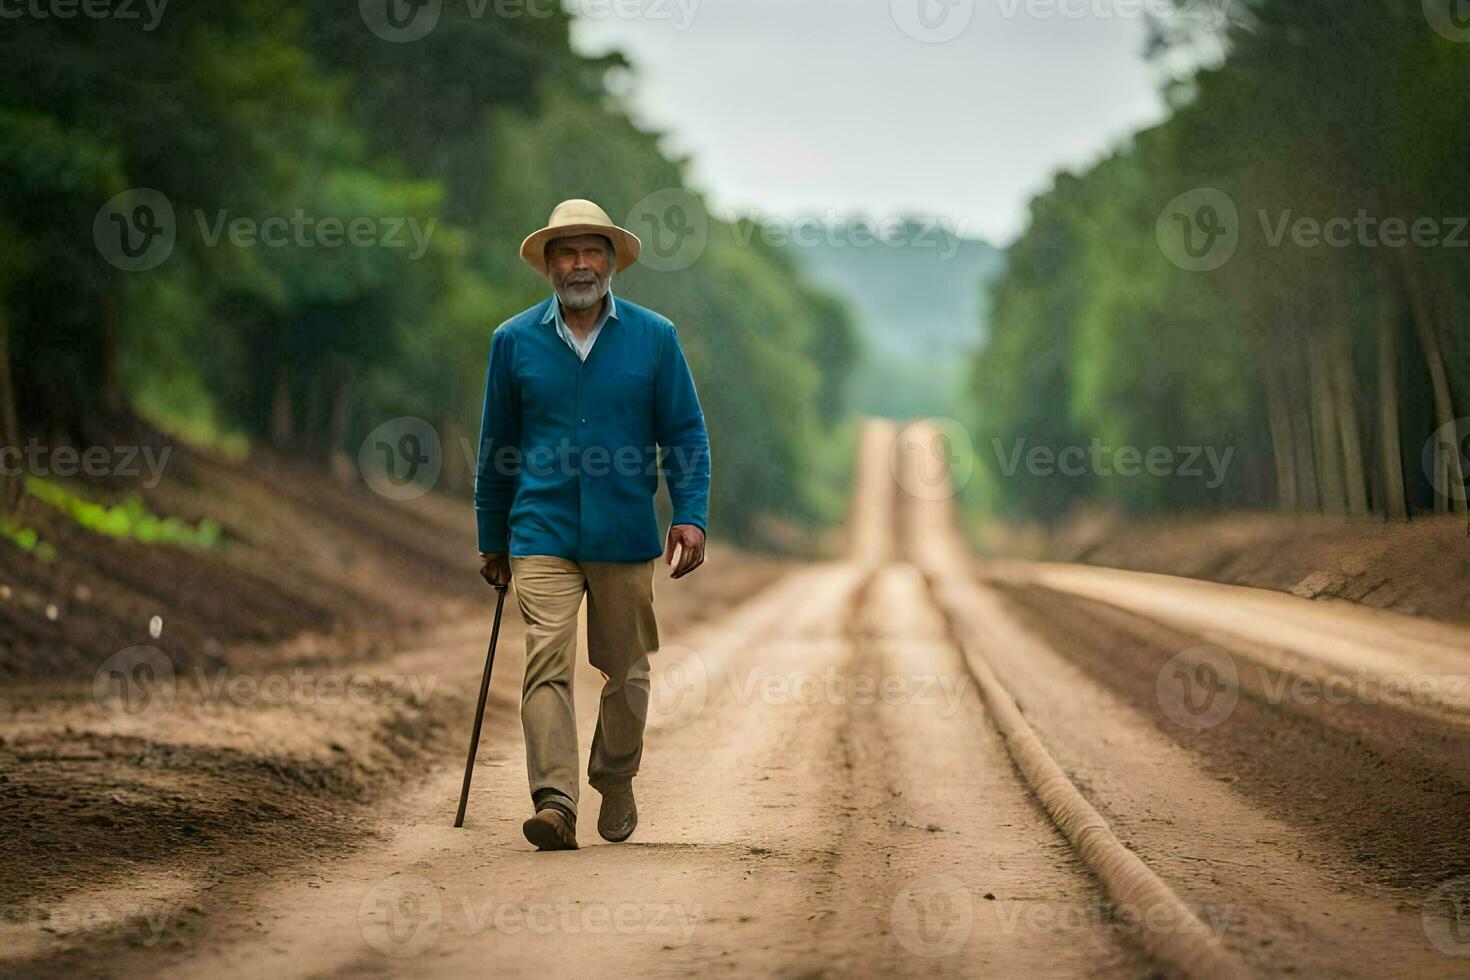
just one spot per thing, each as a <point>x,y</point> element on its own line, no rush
<point>584,347</point>
<point>571,450</point>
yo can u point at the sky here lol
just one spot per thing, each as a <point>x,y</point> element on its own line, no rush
<point>791,107</point>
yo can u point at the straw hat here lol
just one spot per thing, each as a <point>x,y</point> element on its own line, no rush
<point>579,217</point>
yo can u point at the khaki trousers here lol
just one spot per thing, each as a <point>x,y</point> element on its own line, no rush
<point>621,634</point>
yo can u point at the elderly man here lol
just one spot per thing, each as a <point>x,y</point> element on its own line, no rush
<point>582,393</point>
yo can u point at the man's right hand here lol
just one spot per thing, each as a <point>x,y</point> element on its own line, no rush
<point>495,569</point>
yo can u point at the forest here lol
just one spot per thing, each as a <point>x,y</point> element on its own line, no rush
<point>340,214</point>
<point>1278,269</point>
<point>1274,277</point>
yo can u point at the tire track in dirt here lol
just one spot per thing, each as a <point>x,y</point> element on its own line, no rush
<point>1274,887</point>
<point>720,856</point>
<point>1269,886</point>
<point>974,878</point>
<point>1391,788</point>
<point>790,823</point>
<point>173,898</point>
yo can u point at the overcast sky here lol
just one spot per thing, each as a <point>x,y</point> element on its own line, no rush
<point>798,106</point>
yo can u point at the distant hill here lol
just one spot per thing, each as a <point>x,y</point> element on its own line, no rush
<point>919,301</point>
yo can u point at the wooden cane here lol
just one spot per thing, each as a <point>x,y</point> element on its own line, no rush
<point>469,766</point>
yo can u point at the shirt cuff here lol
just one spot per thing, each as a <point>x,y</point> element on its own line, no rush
<point>494,531</point>
<point>696,520</point>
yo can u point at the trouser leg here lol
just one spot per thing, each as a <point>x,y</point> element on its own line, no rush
<point>621,635</point>
<point>549,591</point>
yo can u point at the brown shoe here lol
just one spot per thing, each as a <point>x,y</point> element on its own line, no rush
<point>618,817</point>
<point>550,830</point>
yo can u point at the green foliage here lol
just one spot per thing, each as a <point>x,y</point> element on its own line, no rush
<point>130,519</point>
<point>1097,335</point>
<point>239,110</point>
<point>26,539</point>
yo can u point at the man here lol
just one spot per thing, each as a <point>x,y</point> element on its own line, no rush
<point>582,392</point>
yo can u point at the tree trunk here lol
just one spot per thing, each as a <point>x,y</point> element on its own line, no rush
<point>1343,385</point>
<point>1299,396</point>
<point>1448,317</point>
<point>341,464</point>
<point>1415,277</point>
<point>312,425</point>
<point>1391,457</point>
<point>1325,429</point>
<point>12,475</point>
<point>1278,414</point>
<point>281,434</point>
<point>112,388</point>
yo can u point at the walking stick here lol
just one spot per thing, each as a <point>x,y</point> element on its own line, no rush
<point>469,766</point>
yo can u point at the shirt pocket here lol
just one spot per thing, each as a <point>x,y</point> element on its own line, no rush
<point>630,397</point>
<point>634,381</point>
<point>545,391</point>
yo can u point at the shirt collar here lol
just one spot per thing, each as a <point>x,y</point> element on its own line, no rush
<point>553,312</point>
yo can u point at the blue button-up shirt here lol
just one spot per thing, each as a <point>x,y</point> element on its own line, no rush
<point>571,450</point>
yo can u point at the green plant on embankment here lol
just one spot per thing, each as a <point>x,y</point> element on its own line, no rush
<point>26,539</point>
<point>129,519</point>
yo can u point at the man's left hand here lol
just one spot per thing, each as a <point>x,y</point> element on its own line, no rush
<point>689,539</point>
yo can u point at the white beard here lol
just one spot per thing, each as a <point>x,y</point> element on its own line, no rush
<point>583,296</point>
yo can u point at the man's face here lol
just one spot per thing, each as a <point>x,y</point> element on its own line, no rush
<point>580,269</point>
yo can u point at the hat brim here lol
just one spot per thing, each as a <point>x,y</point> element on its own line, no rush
<point>626,245</point>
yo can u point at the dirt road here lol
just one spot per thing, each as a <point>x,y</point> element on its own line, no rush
<point>888,765</point>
